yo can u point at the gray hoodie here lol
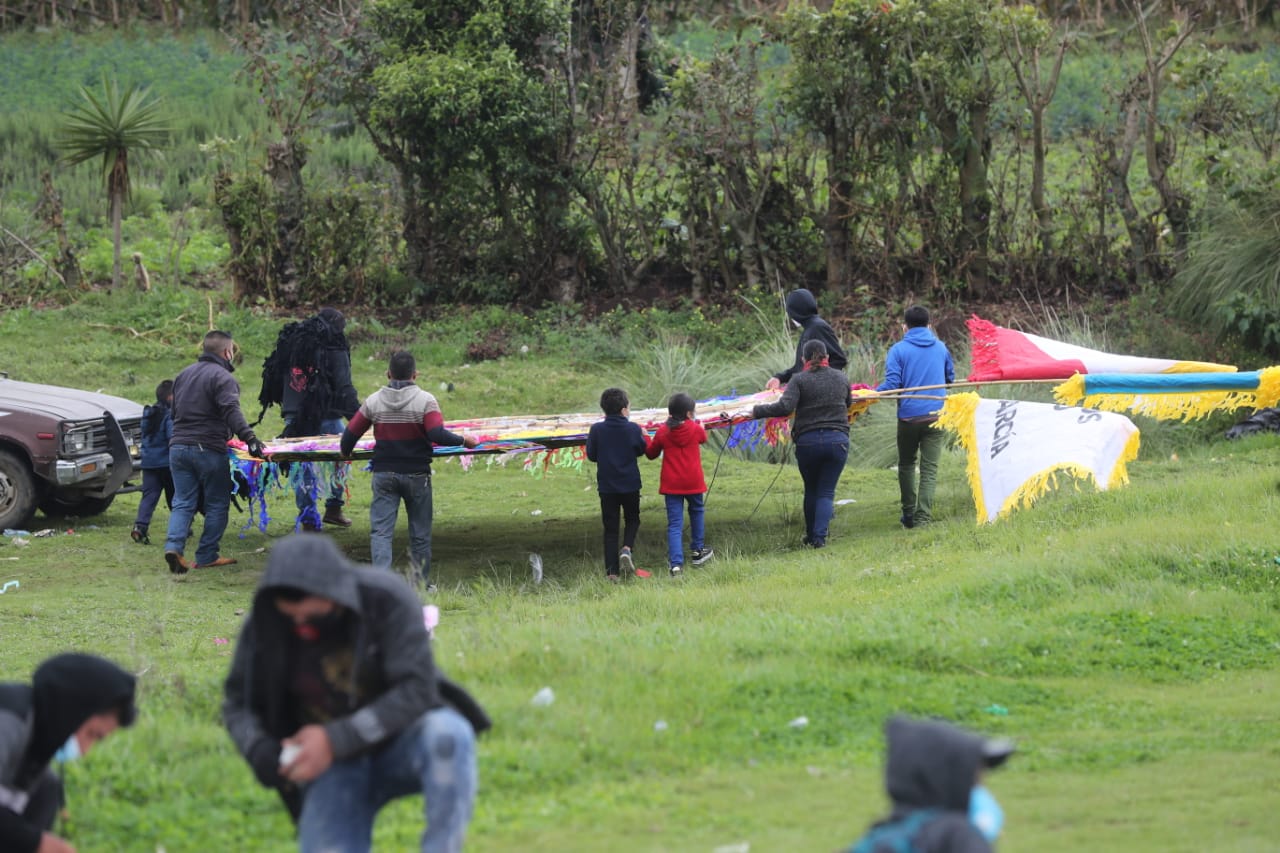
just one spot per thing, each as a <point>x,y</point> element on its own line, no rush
<point>390,647</point>
<point>934,765</point>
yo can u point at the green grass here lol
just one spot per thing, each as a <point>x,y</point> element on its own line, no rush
<point>1132,636</point>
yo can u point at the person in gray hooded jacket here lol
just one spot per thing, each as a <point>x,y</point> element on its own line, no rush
<point>334,700</point>
<point>934,777</point>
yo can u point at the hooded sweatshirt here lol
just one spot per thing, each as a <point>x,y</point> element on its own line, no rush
<point>391,678</point>
<point>681,457</point>
<point>37,719</point>
<point>406,422</point>
<point>933,765</point>
<point>918,359</point>
<point>803,308</point>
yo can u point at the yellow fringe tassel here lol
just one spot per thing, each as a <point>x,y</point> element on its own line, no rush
<point>1184,407</point>
<point>957,417</point>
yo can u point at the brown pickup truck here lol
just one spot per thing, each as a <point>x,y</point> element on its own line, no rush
<point>64,451</point>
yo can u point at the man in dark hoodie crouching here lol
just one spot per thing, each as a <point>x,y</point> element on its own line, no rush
<point>334,700</point>
<point>802,309</point>
<point>73,701</point>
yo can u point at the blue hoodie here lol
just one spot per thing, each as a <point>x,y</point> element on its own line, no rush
<point>918,359</point>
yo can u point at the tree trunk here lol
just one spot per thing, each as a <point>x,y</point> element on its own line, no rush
<point>835,223</point>
<point>241,286</point>
<point>285,160</point>
<point>117,212</point>
<point>975,198</point>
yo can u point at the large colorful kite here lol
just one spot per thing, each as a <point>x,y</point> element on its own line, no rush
<point>1016,449</point>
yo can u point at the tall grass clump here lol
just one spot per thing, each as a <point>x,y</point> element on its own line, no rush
<point>1230,283</point>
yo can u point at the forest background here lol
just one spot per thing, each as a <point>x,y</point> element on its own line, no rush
<point>612,186</point>
<point>592,155</point>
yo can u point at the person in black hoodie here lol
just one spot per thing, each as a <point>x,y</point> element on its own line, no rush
<point>933,776</point>
<point>310,369</point>
<point>334,700</point>
<point>802,308</point>
<point>73,701</point>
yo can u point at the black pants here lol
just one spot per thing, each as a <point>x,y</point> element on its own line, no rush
<point>609,505</point>
<point>45,803</point>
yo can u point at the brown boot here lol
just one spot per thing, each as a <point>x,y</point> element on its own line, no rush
<point>177,564</point>
<point>220,561</point>
<point>335,516</point>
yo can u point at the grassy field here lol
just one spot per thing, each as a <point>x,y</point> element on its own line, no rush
<point>1129,641</point>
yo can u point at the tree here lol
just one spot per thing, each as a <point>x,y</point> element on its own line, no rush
<point>455,95</point>
<point>111,127</point>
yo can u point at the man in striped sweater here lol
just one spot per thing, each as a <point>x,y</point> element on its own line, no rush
<point>406,422</point>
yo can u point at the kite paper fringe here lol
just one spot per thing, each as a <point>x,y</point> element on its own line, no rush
<point>1047,480</point>
<point>957,417</point>
<point>984,353</point>
<point>1150,397</point>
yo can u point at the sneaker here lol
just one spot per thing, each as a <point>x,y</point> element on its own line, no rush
<point>139,535</point>
<point>624,560</point>
<point>219,562</point>
<point>432,589</point>
<point>701,555</point>
<point>309,527</point>
<point>677,571</point>
<point>177,565</point>
<point>613,578</point>
<point>335,517</point>
<point>907,521</point>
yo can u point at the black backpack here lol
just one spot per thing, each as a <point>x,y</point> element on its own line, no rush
<point>895,836</point>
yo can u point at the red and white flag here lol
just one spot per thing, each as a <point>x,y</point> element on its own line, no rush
<point>1000,354</point>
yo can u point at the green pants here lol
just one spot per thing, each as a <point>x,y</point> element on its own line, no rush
<point>924,440</point>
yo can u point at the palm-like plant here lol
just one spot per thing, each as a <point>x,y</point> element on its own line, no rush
<point>110,127</point>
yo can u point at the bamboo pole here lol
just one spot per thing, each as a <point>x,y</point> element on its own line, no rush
<point>976,384</point>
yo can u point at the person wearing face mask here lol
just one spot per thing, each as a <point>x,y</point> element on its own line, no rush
<point>206,412</point>
<point>334,700</point>
<point>933,775</point>
<point>802,309</point>
<point>73,701</point>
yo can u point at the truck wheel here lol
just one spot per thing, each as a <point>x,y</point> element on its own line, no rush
<point>17,492</point>
<point>55,506</point>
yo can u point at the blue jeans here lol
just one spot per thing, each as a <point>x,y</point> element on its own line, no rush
<point>436,755</point>
<point>820,455</point>
<point>154,482</point>
<point>389,488</point>
<point>675,525</point>
<point>307,492</point>
<point>199,471</point>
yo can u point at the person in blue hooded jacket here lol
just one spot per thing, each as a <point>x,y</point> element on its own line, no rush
<point>802,309</point>
<point>919,359</point>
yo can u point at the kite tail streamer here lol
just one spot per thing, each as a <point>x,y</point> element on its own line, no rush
<point>957,417</point>
<point>1182,396</point>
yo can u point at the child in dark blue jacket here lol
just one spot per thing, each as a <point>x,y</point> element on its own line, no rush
<point>919,359</point>
<point>157,428</point>
<point>615,444</point>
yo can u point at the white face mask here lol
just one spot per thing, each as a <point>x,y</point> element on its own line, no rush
<point>69,751</point>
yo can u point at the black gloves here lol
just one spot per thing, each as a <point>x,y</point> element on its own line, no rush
<point>264,758</point>
<point>256,448</point>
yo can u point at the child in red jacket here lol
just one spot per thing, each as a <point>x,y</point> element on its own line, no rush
<point>679,441</point>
